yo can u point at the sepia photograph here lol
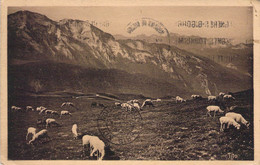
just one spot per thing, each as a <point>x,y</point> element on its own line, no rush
<point>130,83</point>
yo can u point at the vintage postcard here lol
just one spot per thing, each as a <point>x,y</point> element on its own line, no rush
<point>103,81</point>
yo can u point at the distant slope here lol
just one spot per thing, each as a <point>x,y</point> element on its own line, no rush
<point>40,77</point>
<point>34,37</point>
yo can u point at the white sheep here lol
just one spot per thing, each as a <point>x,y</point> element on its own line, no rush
<point>147,102</point>
<point>54,113</point>
<point>62,113</point>
<point>117,104</point>
<point>221,94</point>
<point>179,99</point>
<point>196,97</point>
<point>50,121</point>
<point>136,106</point>
<point>67,103</point>
<point>226,96</point>
<point>42,111</point>
<point>158,100</point>
<point>210,98</point>
<point>29,108</point>
<point>96,145</point>
<point>39,135</point>
<point>213,108</point>
<point>238,118</point>
<point>48,111</point>
<point>229,121</point>
<point>30,130</point>
<point>74,131</point>
<point>15,108</point>
<point>126,106</point>
<point>40,108</point>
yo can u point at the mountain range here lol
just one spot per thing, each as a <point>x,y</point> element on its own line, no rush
<point>46,55</point>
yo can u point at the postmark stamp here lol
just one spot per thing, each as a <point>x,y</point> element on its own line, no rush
<point>119,126</point>
<point>163,35</point>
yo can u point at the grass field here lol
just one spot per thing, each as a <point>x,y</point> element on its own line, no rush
<point>170,131</point>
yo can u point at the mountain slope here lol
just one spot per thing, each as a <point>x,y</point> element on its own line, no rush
<point>32,36</point>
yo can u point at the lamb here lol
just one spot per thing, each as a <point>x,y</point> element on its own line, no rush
<point>229,121</point>
<point>39,135</point>
<point>30,130</point>
<point>29,108</point>
<point>210,98</point>
<point>238,118</point>
<point>74,131</point>
<point>96,145</point>
<point>65,113</point>
<point>50,121</point>
<point>213,108</point>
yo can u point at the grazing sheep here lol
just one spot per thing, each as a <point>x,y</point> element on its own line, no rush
<point>136,106</point>
<point>29,108</point>
<point>213,108</point>
<point>212,98</point>
<point>50,122</point>
<point>221,94</point>
<point>67,103</point>
<point>54,113</point>
<point>30,130</point>
<point>127,106</point>
<point>39,135</point>
<point>132,101</point>
<point>147,102</point>
<point>179,99</point>
<point>158,100</point>
<point>42,111</point>
<point>196,97</point>
<point>40,108</point>
<point>117,104</point>
<point>229,121</point>
<point>96,145</point>
<point>63,113</point>
<point>74,131</point>
<point>226,96</point>
<point>238,118</point>
<point>48,111</point>
<point>15,108</point>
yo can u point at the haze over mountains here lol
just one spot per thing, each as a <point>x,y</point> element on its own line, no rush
<point>45,55</point>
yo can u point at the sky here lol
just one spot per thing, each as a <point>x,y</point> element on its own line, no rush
<point>115,20</point>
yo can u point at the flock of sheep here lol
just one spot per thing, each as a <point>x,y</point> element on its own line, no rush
<point>230,118</point>
<point>97,146</point>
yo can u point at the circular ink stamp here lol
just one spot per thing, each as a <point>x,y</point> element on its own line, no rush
<point>162,36</point>
<point>119,126</point>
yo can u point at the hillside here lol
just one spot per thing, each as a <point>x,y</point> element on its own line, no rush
<point>34,37</point>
